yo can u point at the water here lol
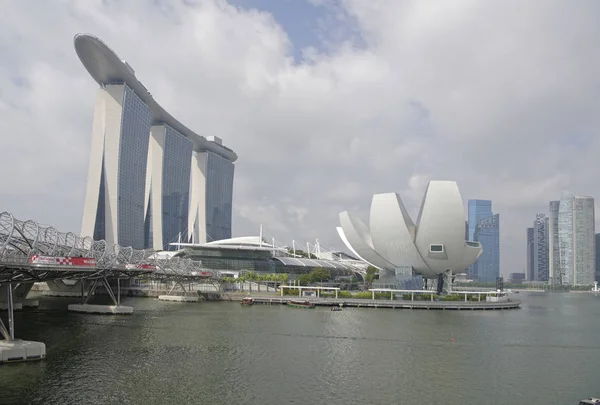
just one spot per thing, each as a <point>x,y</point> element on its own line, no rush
<point>548,352</point>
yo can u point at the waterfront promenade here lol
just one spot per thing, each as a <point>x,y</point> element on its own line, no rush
<point>381,303</point>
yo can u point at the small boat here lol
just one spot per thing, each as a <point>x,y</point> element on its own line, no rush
<point>248,301</point>
<point>301,304</point>
<point>336,308</point>
<point>589,401</point>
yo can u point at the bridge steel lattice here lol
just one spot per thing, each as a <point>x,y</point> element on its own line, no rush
<point>31,252</point>
<point>22,241</point>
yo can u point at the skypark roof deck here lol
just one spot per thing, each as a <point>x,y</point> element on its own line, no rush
<point>106,67</point>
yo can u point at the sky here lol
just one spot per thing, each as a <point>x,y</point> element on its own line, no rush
<point>326,102</point>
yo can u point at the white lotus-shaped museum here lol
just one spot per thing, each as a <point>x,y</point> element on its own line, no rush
<point>393,243</point>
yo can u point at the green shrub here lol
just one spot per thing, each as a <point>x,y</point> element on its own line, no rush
<point>363,295</point>
<point>344,294</point>
<point>290,291</point>
<point>452,297</point>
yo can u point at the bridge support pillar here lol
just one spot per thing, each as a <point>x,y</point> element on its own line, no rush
<point>15,350</point>
<point>102,309</point>
<point>19,296</point>
<point>183,296</point>
<point>58,288</point>
<point>449,281</point>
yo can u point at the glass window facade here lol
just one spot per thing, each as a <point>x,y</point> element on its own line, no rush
<point>565,240</point>
<point>530,255</point>
<point>100,225</point>
<point>177,155</point>
<point>487,233</point>
<point>553,245</point>
<point>219,197</point>
<point>598,257</point>
<point>477,210</point>
<point>148,230</point>
<point>540,247</point>
<point>576,239</point>
<point>136,120</point>
<point>585,241</point>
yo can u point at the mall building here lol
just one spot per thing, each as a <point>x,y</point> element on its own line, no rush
<point>250,253</point>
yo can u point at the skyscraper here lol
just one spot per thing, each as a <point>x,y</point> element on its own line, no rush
<point>576,238</point>
<point>598,257</point>
<point>540,248</point>
<point>553,247</point>
<point>487,232</point>
<point>152,180</point>
<point>477,209</point>
<point>530,255</point>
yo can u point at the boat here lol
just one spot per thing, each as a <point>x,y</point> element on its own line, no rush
<point>248,301</point>
<point>589,401</point>
<point>336,308</point>
<point>301,304</point>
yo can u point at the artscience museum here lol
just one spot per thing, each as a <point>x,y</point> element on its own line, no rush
<point>434,247</point>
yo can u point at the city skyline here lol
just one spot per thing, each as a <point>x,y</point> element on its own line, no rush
<point>324,114</point>
<point>562,248</point>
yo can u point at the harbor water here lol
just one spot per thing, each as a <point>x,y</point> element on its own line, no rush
<point>547,352</point>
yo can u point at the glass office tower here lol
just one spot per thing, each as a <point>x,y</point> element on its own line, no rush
<point>553,246</point>
<point>530,275</point>
<point>487,232</point>
<point>540,248</point>
<point>577,242</point>
<point>477,210</point>
<point>114,208</point>
<point>168,188</point>
<point>219,196</point>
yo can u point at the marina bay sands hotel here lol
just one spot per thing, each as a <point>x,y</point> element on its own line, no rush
<point>151,180</point>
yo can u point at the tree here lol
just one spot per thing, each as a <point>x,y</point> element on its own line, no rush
<point>319,274</point>
<point>304,279</point>
<point>374,271</point>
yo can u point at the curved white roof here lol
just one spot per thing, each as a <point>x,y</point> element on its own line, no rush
<point>241,240</point>
<point>435,244</point>
<point>106,67</point>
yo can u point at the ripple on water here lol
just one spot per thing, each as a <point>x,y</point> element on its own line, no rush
<point>220,353</point>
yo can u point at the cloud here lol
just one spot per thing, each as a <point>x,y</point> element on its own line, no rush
<point>499,96</point>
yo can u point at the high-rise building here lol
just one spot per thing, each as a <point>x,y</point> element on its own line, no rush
<point>477,209</point>
<point>487,233</point>
<point>553,247</point>
<point>598,257</point>
<point>540,248</point>
<point>530,275</point>
<point>152,180</point>
<point>577,241</point>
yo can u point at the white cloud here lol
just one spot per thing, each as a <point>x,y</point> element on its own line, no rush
<point>485,93</point>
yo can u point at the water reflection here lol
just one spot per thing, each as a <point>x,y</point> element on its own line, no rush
<point>217,353</point>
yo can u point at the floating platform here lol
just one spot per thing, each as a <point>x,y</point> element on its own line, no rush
<point>177,298</point>
<point>29,303</point>
<point>101,309</point>
<point>16,305</point>
<point>21,350</point>
<point>396,304</point>
<point>70,294</point>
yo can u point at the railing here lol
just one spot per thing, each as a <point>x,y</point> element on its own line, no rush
<point>22,241</point>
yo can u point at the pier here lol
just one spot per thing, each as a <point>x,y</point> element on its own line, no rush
<point>393,304</point>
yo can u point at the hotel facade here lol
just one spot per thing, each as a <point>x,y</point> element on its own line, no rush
<point>151,181</point>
